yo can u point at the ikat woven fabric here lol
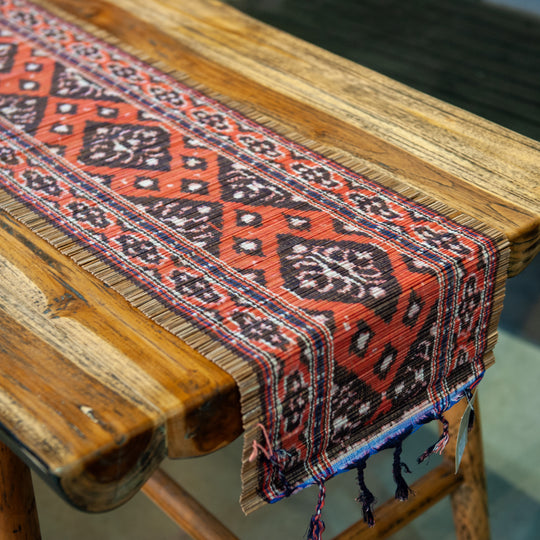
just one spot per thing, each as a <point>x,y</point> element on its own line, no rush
<point>347,313</point>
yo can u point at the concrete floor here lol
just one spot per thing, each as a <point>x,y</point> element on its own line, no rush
<point>510,402</point>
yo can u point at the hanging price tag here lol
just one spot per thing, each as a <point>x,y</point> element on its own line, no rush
<point>463,432</point>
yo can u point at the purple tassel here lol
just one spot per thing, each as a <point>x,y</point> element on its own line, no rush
<point>441,443</point>
<point>402,489</point>
<point>365,497</point>
<point>316,526</point>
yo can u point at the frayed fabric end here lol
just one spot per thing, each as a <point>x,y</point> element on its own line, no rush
<point>264,450</point>
<point>316,525</point>
<point>365,497</point>
<point>441,443</point>
<point>402,488</point>
<point>273,457</point>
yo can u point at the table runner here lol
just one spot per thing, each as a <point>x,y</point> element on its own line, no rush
<point>348,313</point>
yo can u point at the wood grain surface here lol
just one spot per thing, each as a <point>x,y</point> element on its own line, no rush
<point>92,391</point>
<point>356,115</point>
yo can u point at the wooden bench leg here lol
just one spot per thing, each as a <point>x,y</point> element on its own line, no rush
<point>469,501</point>
<point>18,514</point>
<point>181,507</point>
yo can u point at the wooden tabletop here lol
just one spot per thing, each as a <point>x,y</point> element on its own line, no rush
<point>92,393</point>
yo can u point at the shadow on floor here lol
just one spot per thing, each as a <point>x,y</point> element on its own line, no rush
<point>513,513</point>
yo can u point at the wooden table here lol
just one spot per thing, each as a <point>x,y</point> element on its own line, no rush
<point>93,395</point>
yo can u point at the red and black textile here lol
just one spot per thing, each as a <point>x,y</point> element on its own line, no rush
<point>348,313</point>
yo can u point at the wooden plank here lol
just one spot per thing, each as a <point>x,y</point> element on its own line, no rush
<point>65,338</point>
<point>360,117</point>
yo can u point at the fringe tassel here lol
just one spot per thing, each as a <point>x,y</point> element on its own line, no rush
<point>365,497</point>
<point>316,526</point>
<point>440,445</point>
<point>273,457</point>
<point>402,488</point>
